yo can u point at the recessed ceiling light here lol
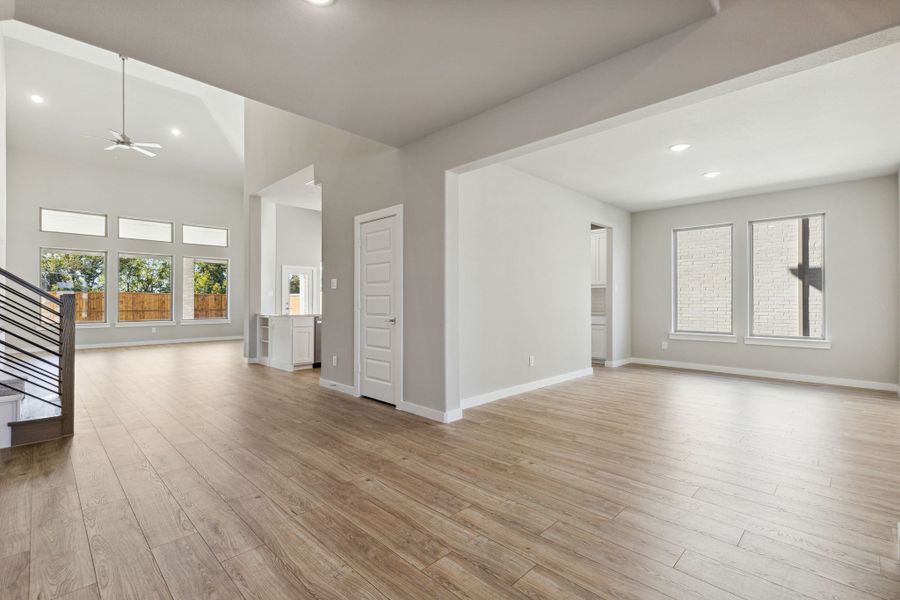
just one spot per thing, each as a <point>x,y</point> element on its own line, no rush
<point>176,132</point>
<point>711,174</point>
<point>679,147</point>
<point>321,2</point>
<point>37,99</point>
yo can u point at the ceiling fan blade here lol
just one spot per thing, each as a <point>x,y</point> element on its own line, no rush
<point>145,145</point>
<point>141,150</point>
<point>115,133</point>
<point>113,147</point>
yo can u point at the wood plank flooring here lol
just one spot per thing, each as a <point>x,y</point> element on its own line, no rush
<point>195,476</point>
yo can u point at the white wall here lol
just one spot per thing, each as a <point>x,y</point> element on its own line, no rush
<point>861,281</point>
<point>298,237</point>
<point>525,284</point>
<point>37,181</point>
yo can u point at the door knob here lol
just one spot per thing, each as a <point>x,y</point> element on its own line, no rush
<point>392,320</point>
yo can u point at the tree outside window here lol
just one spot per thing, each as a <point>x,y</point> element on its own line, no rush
<point>80,273</point>
<point>205,290</point>
<point>145,288</point>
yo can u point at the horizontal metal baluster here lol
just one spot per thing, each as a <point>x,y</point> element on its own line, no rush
<point>32,370</point>
<point>40,320</point>
<point>30,330</point>
<point>30,395</point>
<point>26,380</point>
<point>29,341</point>
<point>27,353</point>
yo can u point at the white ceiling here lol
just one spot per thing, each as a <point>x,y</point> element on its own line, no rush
<point>298,190</point>
<point>81,86</point>
<point>391,70</point>
<point>837,122</point>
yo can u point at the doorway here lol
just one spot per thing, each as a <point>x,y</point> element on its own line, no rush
<point>378,331</point>
<point>601,266</point>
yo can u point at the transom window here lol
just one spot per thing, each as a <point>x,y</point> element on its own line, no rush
<point>68,221</point>
<point>144,229</point>
<point>703,280</point>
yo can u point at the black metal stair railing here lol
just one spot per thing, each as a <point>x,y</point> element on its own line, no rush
<point>37,343</point>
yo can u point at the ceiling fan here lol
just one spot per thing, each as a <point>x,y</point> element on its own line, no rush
<point>121,140</point>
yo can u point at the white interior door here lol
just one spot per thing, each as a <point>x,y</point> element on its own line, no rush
<point>380,308</point>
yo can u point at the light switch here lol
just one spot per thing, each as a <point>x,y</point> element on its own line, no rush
<point>334,284</point>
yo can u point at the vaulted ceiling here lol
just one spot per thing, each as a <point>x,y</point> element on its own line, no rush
<point>391,70</point>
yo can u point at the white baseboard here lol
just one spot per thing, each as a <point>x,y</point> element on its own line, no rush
<point>227,338</point>
<point>474,401</point>
<point>339,387</point>
<point>431,413</point>
<point>617,363</point>
<point>782,376</point>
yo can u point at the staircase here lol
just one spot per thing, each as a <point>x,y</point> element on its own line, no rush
<point>37,363</point>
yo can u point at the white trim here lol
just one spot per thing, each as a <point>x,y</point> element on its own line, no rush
<point>684,336</point>
<point>617,363</point>
<point>391,211</point>
<point>431,413</point>
<point>788,342</point>
<point>145,323</point>
<point>782,376</point>
<point>474,401</point>
<point>204,322</point>
<point>89,325</point>
<point>227,338</point>
<point>339,387</point>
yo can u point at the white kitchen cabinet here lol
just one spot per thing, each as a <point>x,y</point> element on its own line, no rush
<point>598,258</point>
<point>599,342</point>
<point>289,341</point>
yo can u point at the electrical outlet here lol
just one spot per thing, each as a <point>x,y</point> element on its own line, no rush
<point>531,360</point>
<point>153,330</point>
<point>334,360</point>
<point>334,284</point>
<point>664,345</point>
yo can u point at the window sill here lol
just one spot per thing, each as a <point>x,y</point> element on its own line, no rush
<point>205,322</point>
<point>727,338</point>
<point>145,324</point>
<point>91,325</point>
<point>788,342</point>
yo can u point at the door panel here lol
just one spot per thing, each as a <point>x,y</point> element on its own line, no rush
<point>379,259</point>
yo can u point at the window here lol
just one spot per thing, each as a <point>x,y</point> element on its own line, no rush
<point>64,221</point>
<point>80,273</point>
<point>204,236</point>
<point>703,275</point>
<point>298,296</point>
<point>205,289</point>
<point>141,229</point>
<point>145,288</point>
<point>787,261</point>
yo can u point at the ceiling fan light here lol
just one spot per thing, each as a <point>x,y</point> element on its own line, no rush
<point>37,98</point>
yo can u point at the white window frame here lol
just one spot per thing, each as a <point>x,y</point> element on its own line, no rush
<point>312,287</point>
<point>76,212</point>
<point>160,323</point>
<point>821,343</point>
<point>698,336</point>
<point>227,318</point>
<point>227,231</point>
<point>85,324</point>
<point>169,223</point>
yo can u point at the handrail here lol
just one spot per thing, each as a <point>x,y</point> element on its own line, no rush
<point>30,287</point>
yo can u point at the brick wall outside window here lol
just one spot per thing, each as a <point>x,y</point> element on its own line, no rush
<point>703,280</point>
<point>777,291</point>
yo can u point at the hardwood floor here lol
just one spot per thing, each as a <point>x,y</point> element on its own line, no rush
<point>194,476</point>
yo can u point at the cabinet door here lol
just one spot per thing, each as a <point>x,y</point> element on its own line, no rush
<point>598,341</point>
<point>304,346</point>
